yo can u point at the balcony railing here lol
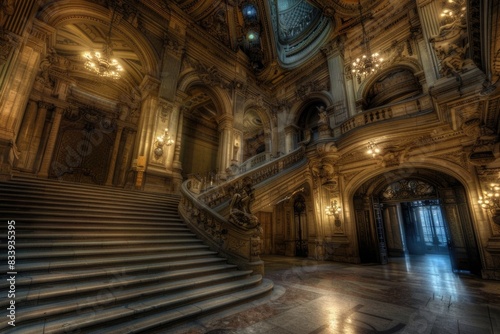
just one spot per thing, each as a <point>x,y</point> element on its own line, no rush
<point>387,112</point>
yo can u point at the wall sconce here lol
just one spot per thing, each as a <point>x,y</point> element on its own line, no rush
<point>161,141</point>
<point>333,209</point>
<point>491,201</point>
<point>373,149</point>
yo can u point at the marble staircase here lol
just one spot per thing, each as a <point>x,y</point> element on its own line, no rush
<point>104,260</point>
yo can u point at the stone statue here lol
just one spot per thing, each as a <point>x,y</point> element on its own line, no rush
<point>323,116</point>
<point>240,206</point>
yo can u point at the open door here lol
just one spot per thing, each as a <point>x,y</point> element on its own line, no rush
<point>462,244</point>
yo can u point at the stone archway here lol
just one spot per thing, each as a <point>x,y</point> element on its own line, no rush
<point>200,135</point>
<point>381,219</point>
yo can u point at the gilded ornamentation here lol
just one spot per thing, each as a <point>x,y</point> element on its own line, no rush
<point>304,90</point>
<point>450,44</point>
<point>408,189</point>
<point>6,10</point>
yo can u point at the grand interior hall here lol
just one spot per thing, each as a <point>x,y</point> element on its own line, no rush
<point>250,166</point>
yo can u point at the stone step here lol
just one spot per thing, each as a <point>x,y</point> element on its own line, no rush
<point>105,244</point>
<point>49,265</point>
<point>86,217</point>
<point>91,226</point>
<point>46,195</point>
<point>33,182</point>
<point>171,270</point>
<point>57,236</point>
<point>225,294</point>
<point>80,254</point>
<point>93,259</point>
<point>23,202</point>
<point>46,302</point>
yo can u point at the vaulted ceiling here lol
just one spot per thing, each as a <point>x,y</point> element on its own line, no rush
<point>291,32</point>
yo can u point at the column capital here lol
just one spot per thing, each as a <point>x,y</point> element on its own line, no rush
<point>149,86</point>
<point>335,47</point>
<point>224,121</point>
<point>44,105</point>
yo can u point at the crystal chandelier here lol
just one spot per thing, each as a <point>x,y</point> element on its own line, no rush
<point>102,63</point>
<point>491,198</point>
<point>368,63</point>
<point>491,201</point>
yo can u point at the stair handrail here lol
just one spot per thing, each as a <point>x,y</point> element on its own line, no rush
<point>221,193</point>
<point>236,239</point>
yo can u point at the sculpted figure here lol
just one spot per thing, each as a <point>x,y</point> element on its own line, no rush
<point>240,207</point>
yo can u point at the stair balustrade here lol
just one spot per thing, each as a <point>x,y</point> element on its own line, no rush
<point>238,241</point>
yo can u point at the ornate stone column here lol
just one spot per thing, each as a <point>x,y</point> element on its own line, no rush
<point>114,155</point>
<point>51,142</point>
<point>225,127</point>
<point>334,52</point>
<point>429,17</point>
<point>24,137</point>
<point>291,133</point>
<point>177,164</point>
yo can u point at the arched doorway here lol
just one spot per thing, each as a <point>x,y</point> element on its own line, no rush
<point>200,135</point>
<point>253,136</point>
<point>84,146</point>
<point>417,213</point>
<point>308,121</point>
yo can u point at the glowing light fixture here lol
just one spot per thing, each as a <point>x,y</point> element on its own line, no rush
<point>102,63</point>
<point>369,62</point>
<point>333,209</point>
<point>161,141</point>
<point>373,149</point>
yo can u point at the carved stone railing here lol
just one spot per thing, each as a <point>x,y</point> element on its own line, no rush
<point>239,243</point>
<point>418,105</point>
<point>216,196</point>
<point>255,161</point>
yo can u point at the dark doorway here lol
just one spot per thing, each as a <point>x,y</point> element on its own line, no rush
<point>425,229</point>
<point>423,213</point>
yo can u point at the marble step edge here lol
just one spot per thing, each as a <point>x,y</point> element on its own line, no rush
<point>77,254</point>
<point>88,213</point>
<point>176,269</point>
<point>63,299</point>
<point>106,244</point>
<point>102,189</point>
<point>47,191</point>
<point>169,318</point>
<point>28,223</point>
<point>82,320</point>
<point>56,264</point>
<point>43,205</point>
<point>92,226</point>
<point>72,198</point>
<point>67,236</point>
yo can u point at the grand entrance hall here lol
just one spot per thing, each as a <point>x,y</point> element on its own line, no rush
<point>253,166</point>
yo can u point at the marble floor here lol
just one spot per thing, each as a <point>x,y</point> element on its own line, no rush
<point>418,294</point>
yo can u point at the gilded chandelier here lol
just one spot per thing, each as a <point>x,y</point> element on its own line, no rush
<point>368,63</point>
<point>491,198</point>
<point>102,63</point>
<point>333,208</point>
